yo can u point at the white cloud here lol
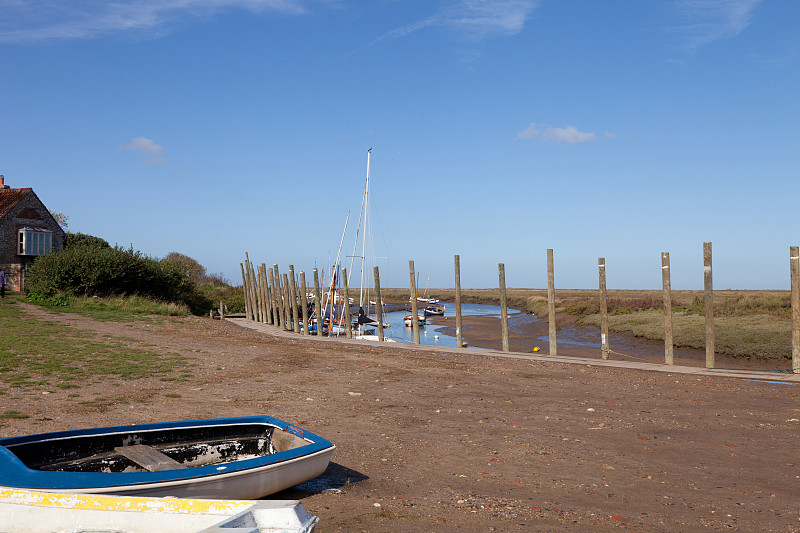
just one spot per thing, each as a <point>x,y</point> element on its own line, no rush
<point>146,146</point>
<point>487,17</point>
<point>143,144</point>
<point>24,22</point>
<point>567,135</point>
<point>712,20</point>
<point>474,20</point>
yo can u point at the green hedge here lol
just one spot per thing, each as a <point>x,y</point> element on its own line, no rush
<point>92,269</point>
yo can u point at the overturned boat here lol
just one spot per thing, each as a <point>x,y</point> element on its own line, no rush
<point>232,458</point>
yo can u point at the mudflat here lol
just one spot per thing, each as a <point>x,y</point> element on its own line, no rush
<point>445,440</point>
<point>527,333</point>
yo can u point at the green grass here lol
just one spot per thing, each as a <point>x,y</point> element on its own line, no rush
<point>115,309</point>
<point>751,336</point>
<point>38,352</point>
<point>13,414</point>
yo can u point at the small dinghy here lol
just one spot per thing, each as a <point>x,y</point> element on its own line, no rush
<point>408,320</point>
<point>434,310</point>
<point>230,458</point>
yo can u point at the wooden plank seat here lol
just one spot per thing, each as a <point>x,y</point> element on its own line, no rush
<point>148,458</point>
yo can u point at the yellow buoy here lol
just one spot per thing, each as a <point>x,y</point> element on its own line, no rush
<point>536,349</point>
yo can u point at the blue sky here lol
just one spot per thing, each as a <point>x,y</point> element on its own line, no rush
<point>500,129</point>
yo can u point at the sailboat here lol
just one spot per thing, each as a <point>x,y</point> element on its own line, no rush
<point>364,325</point>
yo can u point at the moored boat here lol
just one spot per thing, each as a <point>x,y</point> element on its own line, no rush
<point>437,310</point>
<point>409,319</point>
<point>231,458</point>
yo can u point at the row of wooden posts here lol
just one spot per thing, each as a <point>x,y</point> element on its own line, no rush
<point>269,299</point>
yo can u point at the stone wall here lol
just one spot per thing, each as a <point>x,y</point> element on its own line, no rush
<point>15,277</point>
<point>28,211</point>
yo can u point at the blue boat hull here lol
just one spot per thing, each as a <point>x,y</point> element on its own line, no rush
<point>232,458</point>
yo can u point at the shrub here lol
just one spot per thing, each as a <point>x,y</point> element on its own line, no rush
<point>187,266</point>
<point>232,297</point>
<point>94,270</point>
<point>82,239</point>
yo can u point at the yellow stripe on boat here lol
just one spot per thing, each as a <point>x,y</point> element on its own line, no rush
<point>29,511</point>
<point>90,502</point>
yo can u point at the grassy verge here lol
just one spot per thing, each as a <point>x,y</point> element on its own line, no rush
<point>754,324</point>
<point>38,352</point>
<point>757,336</point>
<point>113,309</point>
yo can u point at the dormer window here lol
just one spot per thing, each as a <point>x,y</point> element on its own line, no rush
<point>34,241</point>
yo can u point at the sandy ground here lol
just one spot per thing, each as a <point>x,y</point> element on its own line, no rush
<point>442,441</point>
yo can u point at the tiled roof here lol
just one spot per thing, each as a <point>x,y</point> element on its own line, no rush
<point>11,197</point>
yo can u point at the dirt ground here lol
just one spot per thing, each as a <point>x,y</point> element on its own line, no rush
<point>442,441</point>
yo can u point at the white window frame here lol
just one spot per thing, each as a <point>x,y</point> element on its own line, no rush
<point>34,241</point>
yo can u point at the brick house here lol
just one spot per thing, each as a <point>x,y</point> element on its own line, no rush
<point>27,230</point>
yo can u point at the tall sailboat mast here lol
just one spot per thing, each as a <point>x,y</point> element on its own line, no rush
<point>366,233</point>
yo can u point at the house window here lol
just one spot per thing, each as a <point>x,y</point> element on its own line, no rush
<point>35,241</point>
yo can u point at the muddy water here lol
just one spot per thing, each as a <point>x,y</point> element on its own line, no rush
<point>481,329</point>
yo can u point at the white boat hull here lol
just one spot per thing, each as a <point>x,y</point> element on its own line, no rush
<point>24,511</point>
<point>235,458</point>
<point>244,485</point>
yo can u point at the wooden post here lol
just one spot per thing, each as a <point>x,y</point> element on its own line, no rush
<point>282,301</point>
<point>262,301</point>
<point>279,296</point>
<point>794,260</point>
<point>296,301</point>
<point>318,304</point>
<point>551,302</point>
<point>503,305</point>
<point>264,292</point>
<point>250,305</point>
<point>279,299</point>
<point>287,305</point>
<point>268,283</point>
<point>276,317</point>
<point>267,295</point>
<point>248,269</point>
<point>257,290</point>
<point>348,331</point>
<point>254,294</point>
<point>293,298</point>
<point>378,303</point>
<point>709,304</point>
<point>255,281</point>
<point>244,292</point>
<point>459,339</point>
<point>304,301</point>
<point>669,357</point>
<point>601,265</point>
<point>221,311</point>
<point>250,302</point>
<point>414,317</point>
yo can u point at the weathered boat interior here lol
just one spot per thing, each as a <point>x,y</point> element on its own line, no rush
<point>158,449</point>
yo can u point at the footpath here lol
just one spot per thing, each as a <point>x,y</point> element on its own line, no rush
<point>759,375</point>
